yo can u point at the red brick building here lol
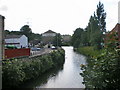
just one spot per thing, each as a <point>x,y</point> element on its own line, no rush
<point>116,29</point>
<point>114,34</point>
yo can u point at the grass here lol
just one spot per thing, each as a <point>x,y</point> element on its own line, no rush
<point>88,51</point>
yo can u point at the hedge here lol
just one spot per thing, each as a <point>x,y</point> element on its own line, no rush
<point>18,71</point>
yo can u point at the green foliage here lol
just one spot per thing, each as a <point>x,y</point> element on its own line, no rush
<point>92,35</point>
<point>25,30</point>
<point>76,38</point>
<point>12,73</point>
<point>89,51</point>
<point>102,71</point>
<point>17,71</point>
<point>7,32</point>
<point>101,16</point>
<point>57,40</point>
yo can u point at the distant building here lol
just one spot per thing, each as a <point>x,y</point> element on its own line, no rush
<point>66,38</point>
<point>49,33</point>
<point>1,37</point>
<point>35,42</point>
<point>48,37</point>
<point>20,41</point>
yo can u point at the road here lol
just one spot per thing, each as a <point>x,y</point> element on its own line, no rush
<point>41,52</point>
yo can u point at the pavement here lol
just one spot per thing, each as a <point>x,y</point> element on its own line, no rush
<point>40,52</point>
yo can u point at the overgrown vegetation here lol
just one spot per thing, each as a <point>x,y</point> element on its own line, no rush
<point>102,72</point>
<point>57,41</point>
<point>89,51</point>
<point>18,71</point>
<point>103,64</point>
<point>93,34</point>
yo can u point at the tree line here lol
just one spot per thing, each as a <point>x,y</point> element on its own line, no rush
<point>101,71</point>
<point>93,34</point>
<point>25,30</point>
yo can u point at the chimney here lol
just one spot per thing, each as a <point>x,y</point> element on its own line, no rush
<point>119,12</point>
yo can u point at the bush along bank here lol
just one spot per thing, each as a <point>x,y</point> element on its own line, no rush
<point>17,71</point>
<point>102,72</point>
<point>89,51</point>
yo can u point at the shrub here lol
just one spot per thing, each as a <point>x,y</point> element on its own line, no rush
<point>102,72</point>
<point>17,71</point>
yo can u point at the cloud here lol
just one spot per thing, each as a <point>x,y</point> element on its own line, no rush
<point>3,8</point>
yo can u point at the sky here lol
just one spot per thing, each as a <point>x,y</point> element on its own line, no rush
<point>61,16</point>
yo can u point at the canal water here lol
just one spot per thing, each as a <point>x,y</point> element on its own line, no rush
<point>67,76</point>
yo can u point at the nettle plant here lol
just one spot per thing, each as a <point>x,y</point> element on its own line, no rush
<point>103,71</point>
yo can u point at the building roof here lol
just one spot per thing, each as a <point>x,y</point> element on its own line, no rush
<point>49,31</point>
<point>115,29</point>
<point>12,36</point>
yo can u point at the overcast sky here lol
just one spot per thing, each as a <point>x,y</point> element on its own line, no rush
<point>61,16</point>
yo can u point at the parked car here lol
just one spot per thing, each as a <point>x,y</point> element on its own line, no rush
<point>35,49</point>
<point>53,47</point>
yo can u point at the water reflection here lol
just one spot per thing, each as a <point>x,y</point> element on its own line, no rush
<point>43,78</point>
<point>69,77</point>
<point>66,77</point>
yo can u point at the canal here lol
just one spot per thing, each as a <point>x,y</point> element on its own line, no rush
<point>67,76</point>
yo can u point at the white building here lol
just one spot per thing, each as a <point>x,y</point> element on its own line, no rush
<point>49,33</point>
<point>48,37</point>
<point>20,41</point>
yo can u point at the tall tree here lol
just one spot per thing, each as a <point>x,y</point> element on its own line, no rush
<point>76,38</point>
<point>101,16</point>
<point>57,41</point>
<point>26,30</point>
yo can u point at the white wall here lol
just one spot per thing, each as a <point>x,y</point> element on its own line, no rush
<point>49,34</point>
<point>24,41</point>
<point>119,12</point>
<point>13,40</point>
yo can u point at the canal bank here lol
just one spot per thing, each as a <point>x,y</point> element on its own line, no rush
<point>67,76</point>
<point>16,72</point>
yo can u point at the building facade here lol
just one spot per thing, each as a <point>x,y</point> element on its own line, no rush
<point>114,34</point>
<point>20,41</point>
<point>48,37</point>
<point>49,33</point>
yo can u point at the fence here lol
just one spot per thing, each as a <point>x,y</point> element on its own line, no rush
<point>13,53</point>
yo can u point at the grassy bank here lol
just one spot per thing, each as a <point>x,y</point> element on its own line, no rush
<point>18,71</point>
<point>88,51</point>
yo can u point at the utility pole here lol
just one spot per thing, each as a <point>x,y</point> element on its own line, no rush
<point>57,40</point>
<point>1,37</point>
<point>1,47</point>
